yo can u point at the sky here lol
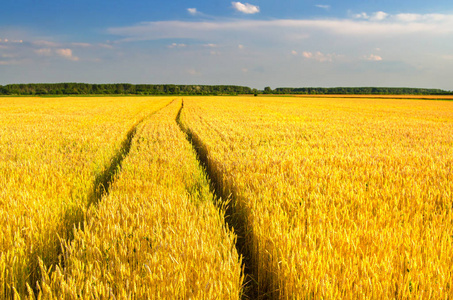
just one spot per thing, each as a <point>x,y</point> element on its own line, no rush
<point>256,43</point>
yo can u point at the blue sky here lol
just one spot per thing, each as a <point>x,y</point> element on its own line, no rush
<point>254,43</point>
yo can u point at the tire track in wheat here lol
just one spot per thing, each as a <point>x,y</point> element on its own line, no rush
<point>233,217</point>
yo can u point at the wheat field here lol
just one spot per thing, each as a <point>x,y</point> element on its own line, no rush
<point>226,198</point>
<point>52,153</point>
<point>338,198</point>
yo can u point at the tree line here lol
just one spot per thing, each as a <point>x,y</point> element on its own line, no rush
<point>120,89</point>
<point>358,91</point>
<point>172,89</point>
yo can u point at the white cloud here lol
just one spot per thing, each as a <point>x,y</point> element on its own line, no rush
<point>319,56</point>
<point>379,16</point>
<point>372,57</point>
<point>44,51</point>
<point>66,53</point>
<point>245,8</point>
<point>192,11</point>
<point>175,45</point>
<point>11,41</point>
<point>272,55</point>
<point>83,45</point>
<point>342,44</point>
<point>307,54</point>
<point>419,17</point>
<point>323,6</point>
<point>402,18</point>
<point>283,29</point>
<point>362,15</point>
<point>408,17</point>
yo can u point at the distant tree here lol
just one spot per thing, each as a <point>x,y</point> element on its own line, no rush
<point>171,89</point>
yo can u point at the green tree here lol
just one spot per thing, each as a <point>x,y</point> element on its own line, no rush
<point>267,90</point>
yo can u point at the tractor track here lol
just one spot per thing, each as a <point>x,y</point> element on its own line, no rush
<point>104,180</point>
<point>75,217</point>
<point>234,218</point>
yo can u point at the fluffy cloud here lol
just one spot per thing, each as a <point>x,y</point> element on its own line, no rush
<point>43,51</point>
<point>48,51</point>
<point>192,11</point>
<point>66,53</point>
<point>274,49</point>
<point>307,54</point>
<point>245,8</point>
<point>319,56</point>
<point>83,45</point>
<point>377,16</point>
<point>362,15</point>
<point>372,57</point>
<point>419,17</point>
<point>175,45</point>
<point>403,18</point>
<point>11,41</point>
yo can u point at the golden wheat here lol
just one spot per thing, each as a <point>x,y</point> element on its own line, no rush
<point>333,198</point>
<point>157,234</point>
<point>339,198</point>
<point>52,151</point>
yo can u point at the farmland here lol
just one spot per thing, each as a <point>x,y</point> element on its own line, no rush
<point>55,156</point>
<point>225,197</point>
